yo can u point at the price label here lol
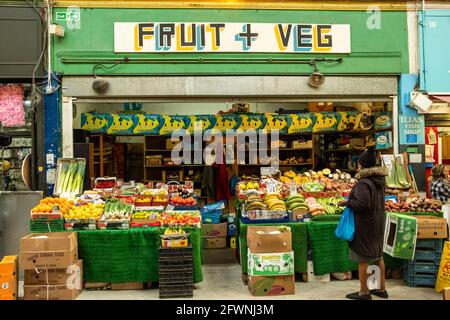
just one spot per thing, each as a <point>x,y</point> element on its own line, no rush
<point>55,209</point>
<point>189,185</point>
<point>293,189</point>
<point>267,171</point>
<point>271,188</point>
<point>170,207</point>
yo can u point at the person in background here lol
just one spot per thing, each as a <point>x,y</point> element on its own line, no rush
<point>367,201</point>
<point>439,187</point>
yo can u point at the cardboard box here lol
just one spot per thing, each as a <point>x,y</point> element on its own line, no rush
<point>215,230</point>
<point>271,264</point>
<point>400,236</point>
<point>271,286</point>
<point>302,144</point>
<point>174,243</point>
<point>446,293</point>
<point>8,278</point>
<point>214,242</point>
<point>53,276</point>
<point>357,142</point>
<point>51,292</point>
<point>429,227</point>
<point>127,286</point>
<point>48,250</point>
<point>260,240</point>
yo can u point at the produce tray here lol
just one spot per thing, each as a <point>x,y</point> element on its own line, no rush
<point>412,268</point>
<point>431,256</point>
<point>430,244</point>
<point>144,223</point>
<point>183,281</point>
<point>260,221</point>
<point>174,291</point>
<point>46,225</point>
<point>174,250</point>
<point>183,275</point>
<point>114,224</point>
<point>182,257</point>
<point>322,194</point>
<point>175,263</point>
<point>420,280</point>
<point>80,224</point>
<point>46,216</point>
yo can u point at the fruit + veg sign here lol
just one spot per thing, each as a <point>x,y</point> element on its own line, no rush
<point>412,129</point>
<point>231,37</point>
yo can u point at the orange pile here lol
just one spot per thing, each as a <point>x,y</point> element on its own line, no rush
<point>46,205</point>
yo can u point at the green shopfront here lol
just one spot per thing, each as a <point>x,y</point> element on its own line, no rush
<point>201,61</point>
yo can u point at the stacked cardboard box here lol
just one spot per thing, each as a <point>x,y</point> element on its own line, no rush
<point>214,235</point>
<point>270,261</point>
<point>8,278</point>
<point>51,267</point>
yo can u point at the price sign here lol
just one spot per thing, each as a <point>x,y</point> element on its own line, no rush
<point>189,185</point>
<point>170,207</point>
<point>293,189</point>
<point>271,188</point>
<point>267,171</point>
<point>55,209</point>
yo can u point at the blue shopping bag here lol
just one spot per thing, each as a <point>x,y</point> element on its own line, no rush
<point>346,226</point>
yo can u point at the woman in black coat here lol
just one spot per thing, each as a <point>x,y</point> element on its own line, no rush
<point>367,201</point>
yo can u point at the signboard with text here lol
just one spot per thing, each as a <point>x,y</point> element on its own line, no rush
<point>231,37</point>
<point>412,129</point>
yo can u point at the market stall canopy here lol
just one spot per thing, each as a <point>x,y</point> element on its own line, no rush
<point>445,98</point>
<point>226,87</point>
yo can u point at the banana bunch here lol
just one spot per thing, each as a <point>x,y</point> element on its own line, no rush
<point>274,201</point>
<point>173,230</point>
<point>285,179</point>
<point>295,201</point>
<point>253,202</point>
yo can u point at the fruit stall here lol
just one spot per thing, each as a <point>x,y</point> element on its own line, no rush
<point>309,204</point>
<point>121,225</point>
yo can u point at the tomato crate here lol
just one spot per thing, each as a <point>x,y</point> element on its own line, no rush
<point>188,263</point>
<point>178,280</point>
<point>46,225</point>
<point>173,255</point>
<point>176,291</point>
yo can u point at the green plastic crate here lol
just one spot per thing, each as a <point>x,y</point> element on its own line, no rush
<point>46,225</point>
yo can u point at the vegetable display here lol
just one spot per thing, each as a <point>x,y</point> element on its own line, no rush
<point>180,218</point>
<point>313,186</point>
<point>70,177</point>
<point>49,204</point>
<point>314,207</point>
<point>331,205</point>
<point>87,211</point>
<point>296,201</point>
<point>116,210</point>
<point>414,205</point>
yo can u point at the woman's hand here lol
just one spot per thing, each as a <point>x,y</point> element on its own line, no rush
<point>342,203</point>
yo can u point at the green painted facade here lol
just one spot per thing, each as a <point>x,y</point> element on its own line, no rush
<point>374,51</point>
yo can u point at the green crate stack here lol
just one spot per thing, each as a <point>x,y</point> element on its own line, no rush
<point>46,225</point>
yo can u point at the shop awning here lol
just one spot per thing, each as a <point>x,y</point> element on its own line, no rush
<point>275,88</point>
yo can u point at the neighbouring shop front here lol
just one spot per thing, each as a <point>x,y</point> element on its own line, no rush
<point>324,83</point>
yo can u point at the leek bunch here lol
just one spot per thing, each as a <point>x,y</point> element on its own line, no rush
<point>71,177</point>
